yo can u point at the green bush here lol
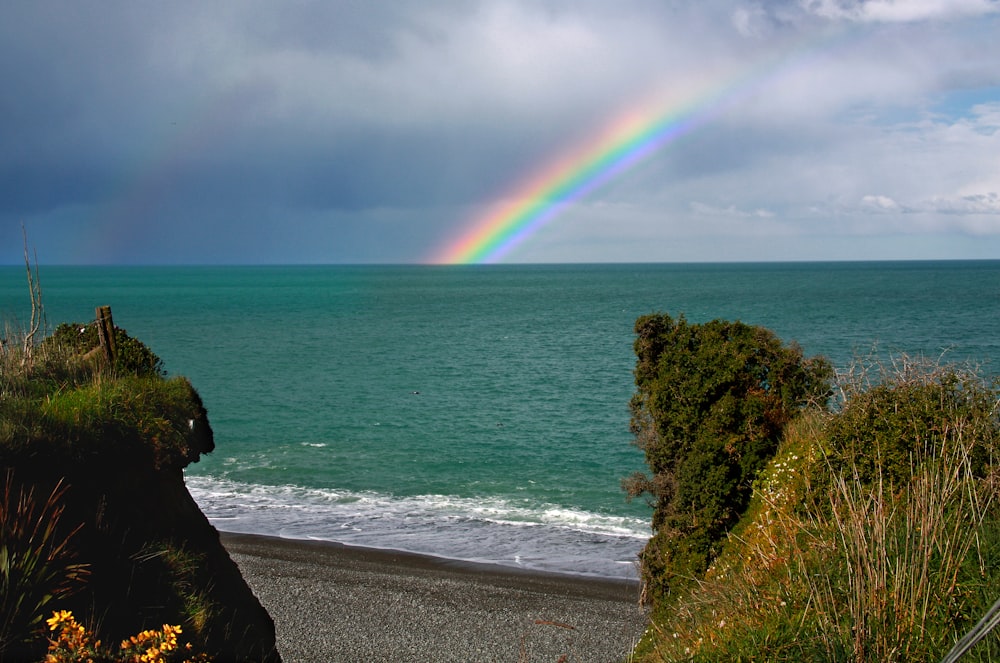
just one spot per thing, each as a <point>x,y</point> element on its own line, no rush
<point>132,356</point>
<point>884,430</point>
<point>71,356</point>
<point>711,402</point>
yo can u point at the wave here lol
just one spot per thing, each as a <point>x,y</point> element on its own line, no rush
<point>517,533</point>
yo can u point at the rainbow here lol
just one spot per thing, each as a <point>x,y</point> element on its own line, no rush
<point>626,141</point>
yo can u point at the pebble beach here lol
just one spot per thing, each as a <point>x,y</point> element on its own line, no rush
<point>332,602</point>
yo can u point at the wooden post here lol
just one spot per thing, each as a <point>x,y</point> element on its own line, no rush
<point>106,332</point>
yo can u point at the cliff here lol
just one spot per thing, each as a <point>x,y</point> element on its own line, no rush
<point>97,519</point>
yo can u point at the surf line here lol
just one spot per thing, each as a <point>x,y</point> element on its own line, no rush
<point>629,139</point>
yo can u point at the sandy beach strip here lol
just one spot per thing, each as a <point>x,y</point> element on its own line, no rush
<point>332,602</point>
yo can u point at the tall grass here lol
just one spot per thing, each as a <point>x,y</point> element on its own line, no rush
<point>908,558</point>
<point>37,559</point>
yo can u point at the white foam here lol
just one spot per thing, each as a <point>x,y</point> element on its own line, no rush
<point>492,530</point>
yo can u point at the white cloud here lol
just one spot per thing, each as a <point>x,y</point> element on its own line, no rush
<point>491,62</point>
<point>879,204</point>
<point>900,11</point>
<point>985,118</point>
<point>750,21</point>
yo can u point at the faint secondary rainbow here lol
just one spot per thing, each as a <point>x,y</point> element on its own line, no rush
<point>141,195</point>
<point>626,141</point>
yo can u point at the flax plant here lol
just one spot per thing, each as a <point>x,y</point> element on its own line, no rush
<point>37,563</point>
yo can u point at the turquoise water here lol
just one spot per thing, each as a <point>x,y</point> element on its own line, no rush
<point>476,413</point>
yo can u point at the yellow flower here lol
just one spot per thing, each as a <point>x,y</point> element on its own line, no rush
<point>169,640</point>
<point>58,617</point>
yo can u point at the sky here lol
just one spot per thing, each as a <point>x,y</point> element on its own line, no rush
<point>378,131</point>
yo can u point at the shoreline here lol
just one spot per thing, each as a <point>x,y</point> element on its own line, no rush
<point>336,602</point>
<point>407,559</point>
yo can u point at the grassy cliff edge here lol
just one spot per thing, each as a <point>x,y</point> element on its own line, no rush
<point>96,517</point>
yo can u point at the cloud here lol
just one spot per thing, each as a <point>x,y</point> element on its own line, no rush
<point>879,204</point>
<point>750,21</point>
<point>378,130</point>
<point>983,203</point>
<point>900,11</point>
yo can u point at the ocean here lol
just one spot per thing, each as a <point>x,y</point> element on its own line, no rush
<point>476,413</point>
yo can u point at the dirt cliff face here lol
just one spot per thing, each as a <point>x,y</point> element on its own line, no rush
<point>150,555</point>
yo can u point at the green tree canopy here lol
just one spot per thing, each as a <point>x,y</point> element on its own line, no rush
<point>711,402</point>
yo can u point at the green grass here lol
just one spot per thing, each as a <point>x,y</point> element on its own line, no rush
<point>60,401</point>
<point>179,568</point>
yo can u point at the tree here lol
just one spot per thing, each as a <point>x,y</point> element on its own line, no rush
<point>710,405</point>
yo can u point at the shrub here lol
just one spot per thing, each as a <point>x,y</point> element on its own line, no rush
<point>912,412</point>
<point>711,402</point>
<point>72,642</point>
<point>132,356</point>
<point>913,488</point>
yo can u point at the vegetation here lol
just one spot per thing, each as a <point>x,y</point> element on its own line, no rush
<point>95,519</point>
<point>132,357</point>
<point>62,400</point>
<point>98,542</point>
<point>37,561</point>
<point>73,642</point>
<point>711,403</point>
<point>798,515</point>
<point>871,534</point>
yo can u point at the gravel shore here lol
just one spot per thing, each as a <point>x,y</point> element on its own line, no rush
<point>331,602</point>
